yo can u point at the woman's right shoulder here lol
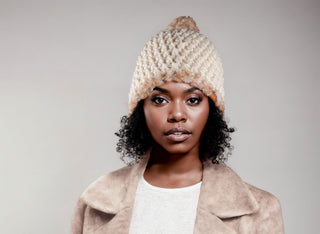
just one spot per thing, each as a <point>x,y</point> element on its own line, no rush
<point>106,192</point>
<point>103,194</point>
<point>109,179</point>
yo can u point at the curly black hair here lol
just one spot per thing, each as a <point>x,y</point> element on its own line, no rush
<point>135,138</point>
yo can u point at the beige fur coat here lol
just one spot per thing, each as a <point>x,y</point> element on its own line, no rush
<point>226,203</point>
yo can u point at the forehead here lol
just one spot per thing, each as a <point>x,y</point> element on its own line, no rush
<point>173,86</point>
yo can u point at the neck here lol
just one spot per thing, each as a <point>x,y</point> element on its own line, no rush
<point>173,170</point>
<point>179,163</point>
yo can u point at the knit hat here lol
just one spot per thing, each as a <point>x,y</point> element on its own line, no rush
<point>180,53</point>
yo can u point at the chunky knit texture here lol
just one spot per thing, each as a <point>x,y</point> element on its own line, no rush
<point>180,54</point>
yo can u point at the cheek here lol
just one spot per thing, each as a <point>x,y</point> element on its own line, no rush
<point>200,119</point>
<point>154,120</point>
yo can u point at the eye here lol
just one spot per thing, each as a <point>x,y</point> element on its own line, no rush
<point>194,100</point>
<point>158,100</point>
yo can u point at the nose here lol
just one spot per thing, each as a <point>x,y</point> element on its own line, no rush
<point>177,112</point>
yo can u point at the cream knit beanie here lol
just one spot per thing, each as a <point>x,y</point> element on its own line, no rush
<point>182,54</point>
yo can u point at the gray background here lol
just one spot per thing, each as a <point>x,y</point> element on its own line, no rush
<point>65,73</point>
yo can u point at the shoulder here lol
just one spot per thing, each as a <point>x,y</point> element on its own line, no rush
<point>269,215</point>
<point>264,198</point>
<point>268,203</point>
<point>108,191</point>
<point>101,195</point>
<point>104,181</point>
<point>105,193</point>
<point>116,177</point>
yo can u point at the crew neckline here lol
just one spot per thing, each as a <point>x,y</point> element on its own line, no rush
<point>190,187</point>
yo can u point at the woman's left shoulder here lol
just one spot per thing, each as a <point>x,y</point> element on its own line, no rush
<point>263,197</point>
<point>268,216</point>
<point>266,200</point>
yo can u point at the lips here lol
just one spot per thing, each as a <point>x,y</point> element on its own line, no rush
<point>177,134</point>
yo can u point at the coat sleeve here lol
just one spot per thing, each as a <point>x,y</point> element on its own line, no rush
<point>78,218</point>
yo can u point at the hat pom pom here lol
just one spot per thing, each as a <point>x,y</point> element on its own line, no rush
<point>183,22</point>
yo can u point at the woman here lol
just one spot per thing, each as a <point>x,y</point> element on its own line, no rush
<point>176,135</point>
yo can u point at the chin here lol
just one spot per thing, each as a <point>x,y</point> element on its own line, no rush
<point>178,149</point>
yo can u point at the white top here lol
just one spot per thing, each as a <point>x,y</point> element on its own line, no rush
<point>164,210</point>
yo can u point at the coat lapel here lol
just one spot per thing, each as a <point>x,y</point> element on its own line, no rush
<point>223,195</point>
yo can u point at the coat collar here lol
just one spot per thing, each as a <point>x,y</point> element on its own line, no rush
<point>223,193</point>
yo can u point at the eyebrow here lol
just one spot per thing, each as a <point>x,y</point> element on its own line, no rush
<point>167,91</point>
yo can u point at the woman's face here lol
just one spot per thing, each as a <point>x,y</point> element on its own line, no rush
<point>176,115</point>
